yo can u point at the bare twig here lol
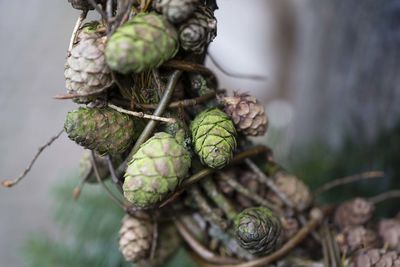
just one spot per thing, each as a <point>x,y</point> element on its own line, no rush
<point>72,96</point>
<point>12,182</point>
<point>141,114</point>
<point>235,75</point>
<point>154,240</point>
<point>247,193</point>
<point>101,182</point>
<point>384,196</point>
<point>76,192</point>
<point>184,103</point>
<point>268,182</point>
<point>200,249</point>
<point>114,177</point>
<point>186,66</point>
<point>98,9</point>
<point>349,179</point>
<point>75,31</point>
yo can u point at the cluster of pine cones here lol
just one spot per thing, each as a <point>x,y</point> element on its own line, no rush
<point>146,58</point>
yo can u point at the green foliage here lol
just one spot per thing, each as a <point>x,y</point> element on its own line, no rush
<point>89,235</point>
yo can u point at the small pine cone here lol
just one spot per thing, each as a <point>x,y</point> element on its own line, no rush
<point>377,258</point>
<point>213,136</point>
<point>168,243</point>
<point>135,239</point>
<point>155,170</point>
<point>144,42</point>
<point>102,129</point>
<point>86,70</point>
<point>247,114</point>
<point>294,188</point>
<point>389,231</point>
<point>354,212</point>
<point>258,230</point>
<point>176,11</point>
<point>290,227</point>
<point>197,32</point>
<point>352,238</point>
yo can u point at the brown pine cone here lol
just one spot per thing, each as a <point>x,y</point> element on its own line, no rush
<point>356,237</point>
<point>247,114</point>
<point>389,231</point>
<point>135,239</point>
<point>377,258</point>
<point>354,212</point>
<point>294,188</point>
<point>290,226</point>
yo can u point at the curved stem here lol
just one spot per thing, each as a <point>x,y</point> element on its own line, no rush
<point>384,196</point>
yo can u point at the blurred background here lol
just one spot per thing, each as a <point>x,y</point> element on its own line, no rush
<point>331,92</point>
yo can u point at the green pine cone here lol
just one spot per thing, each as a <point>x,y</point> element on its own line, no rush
<point>258,230</point>
<point>155,170</point>
<point>102,129</point>
<point>213,136</point>
<point>144,42</point>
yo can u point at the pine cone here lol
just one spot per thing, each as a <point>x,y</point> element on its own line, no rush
<point>135,239</point>
<point>258,230</point>
<point>144,42</point>
<point>377,258</point>
<point>294,188</point>
<point>176,11</point>
<point>247,114</point>
<point>155,170</point>
<point>86,70</point>
<point>102,129</point>
<point>197,32</point>
<point>167,244</point>
<point>389,231</point>
<point>290,227</point>
<point>213,136</point>
<point>354,212</point>
<point>353,238</point>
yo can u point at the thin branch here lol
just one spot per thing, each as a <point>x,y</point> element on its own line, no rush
<point>141,114</point>
<point>98,9</point>
<point>114,177</point>
<point>78,24</point>
<point>349,179</point>
<point>184,102</point>
<point>247,193</point>
<point>154,240</point>
<point>95,92</point>
<point>284,250</point>
<point>76,192</point>
<point>268,182</point>
<point>186,66</point>
<point>101,182</point>
<point>12,182</point>
<point>235,75</point>
<point>199,248</point>
<point>384,196</point>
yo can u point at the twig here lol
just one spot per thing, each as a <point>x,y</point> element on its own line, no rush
<point>76,192</point>
<point>219,199</point>
<point>98,9</point>
<point>186,66</point>
<point>285,249</point>
<point>206,209</point>
<point>12,182</point>
<point>384,196</point>
<point>101,182</point>
<point>207,171</point>
<point>267,181</point>
<point>236,75</point>
<point>141,114</point>
<point>201,250</point>
<point>78,24</point>
<point>247,193</point>
<point>349,179</point>
<point>72,96</point>
<point>184,102</point>
<point>154,240</point>
<point>114,177</point>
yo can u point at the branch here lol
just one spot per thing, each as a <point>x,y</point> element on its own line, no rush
<point>201,250</point>
<point>141,114</point>
<point>384,196</point>
<point>12,182</point>
<point>98,9</point>
<point>186,66</point>
<point>75,31</point>
<point>349,179</point>
<point>72,96</point>
<point>184,102</point>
